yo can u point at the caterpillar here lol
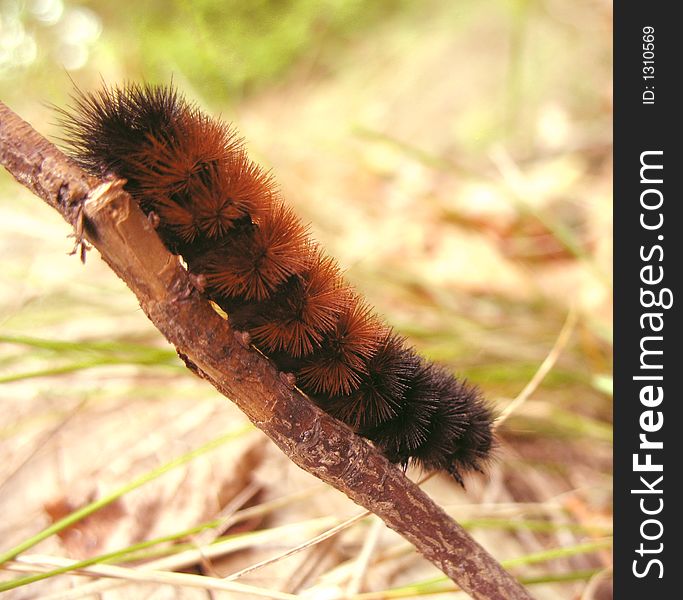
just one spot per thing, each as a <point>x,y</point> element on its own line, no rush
<point>256,260</point>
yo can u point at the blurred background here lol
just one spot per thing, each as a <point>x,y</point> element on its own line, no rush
<point>456,158</point>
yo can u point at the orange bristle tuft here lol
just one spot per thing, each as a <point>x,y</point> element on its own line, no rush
<point>381,388</point>
<point>175,218</point>
<point>199,145</point>
<point>306,308</point>
<point>254,261</point>
<point>337,366</point>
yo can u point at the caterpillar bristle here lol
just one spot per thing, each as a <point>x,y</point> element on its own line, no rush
<point>215,211</point>
<point>306,307</point>
<point>113,123</point>
<point>175,220</point>
<point>257,258</point>
<point>224,215</point>
<point>174,160</point>
<point>410,429</point>
<point>337,366</point>
<point>382,385</point>
<point>473,451</point>
<point>449,422</point>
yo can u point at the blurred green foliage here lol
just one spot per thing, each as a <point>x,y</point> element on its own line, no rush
<point>228,47</point>
<point>242,45</point>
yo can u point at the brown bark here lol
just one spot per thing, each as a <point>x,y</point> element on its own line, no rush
<point>319,444</point>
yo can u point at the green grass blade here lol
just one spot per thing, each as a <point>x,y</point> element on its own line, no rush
<point>81,513</point>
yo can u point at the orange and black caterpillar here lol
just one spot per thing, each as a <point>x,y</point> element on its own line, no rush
<point>223,215</point>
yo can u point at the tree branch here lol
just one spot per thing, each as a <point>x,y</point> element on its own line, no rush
<point>108,218</point>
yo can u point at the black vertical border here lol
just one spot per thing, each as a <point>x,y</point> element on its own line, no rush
<point>640,127</point>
